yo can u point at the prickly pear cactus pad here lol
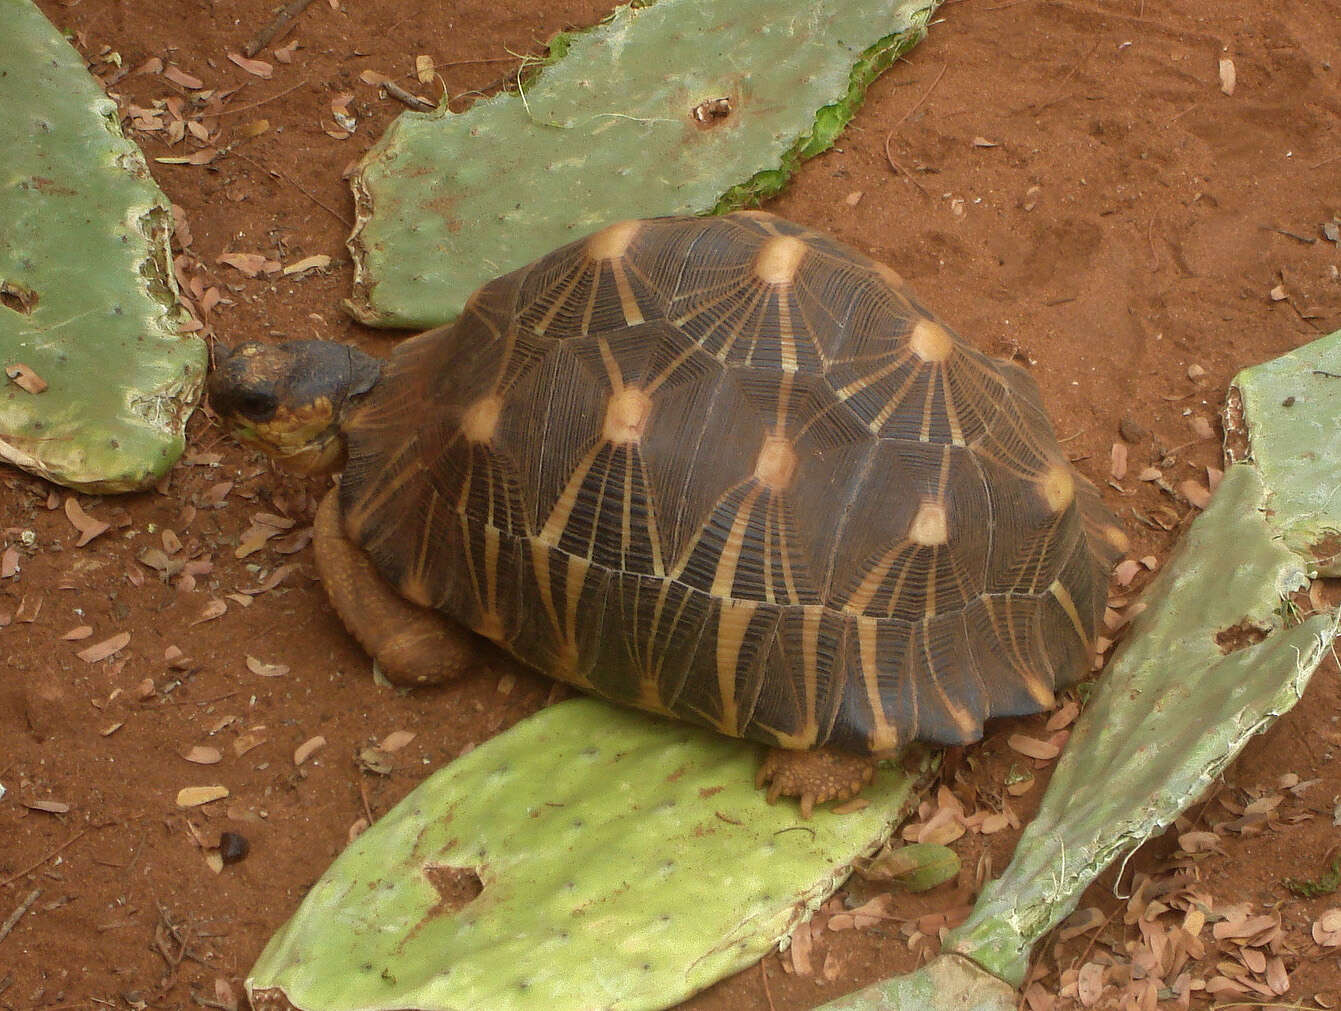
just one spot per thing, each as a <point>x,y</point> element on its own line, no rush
<point>1288,412</point>
<point>590,857</point>
<point>678,107</point>
<point>98,381</point>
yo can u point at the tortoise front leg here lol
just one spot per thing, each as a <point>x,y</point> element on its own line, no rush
<point>814,776</point>
<point>412,645</point>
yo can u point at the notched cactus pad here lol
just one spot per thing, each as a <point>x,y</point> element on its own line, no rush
<point>680,107</point>
<point>590,857</point>
<point>98,382</point>
<point>1287,409</point>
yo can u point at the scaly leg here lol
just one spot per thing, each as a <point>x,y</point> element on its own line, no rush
<point>412,645</point>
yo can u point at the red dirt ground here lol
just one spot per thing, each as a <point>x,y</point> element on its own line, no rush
<point>1082,196</point>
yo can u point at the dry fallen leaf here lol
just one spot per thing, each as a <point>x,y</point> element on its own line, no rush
<point>49,806</point>
<point>9,563</point>
<point>800,950</point>
<point>178,76</point>
<point>104,649</point>
<point>25,378</point>
<point>308,748</point>
<point>266,670</point>
<point>77,633</point>
<point>1228,77</point>
<point>251,264</point>
<point>318,261</point>
<point>1090,984</point>
<point>1327,928</point>
<point>423,68</point>
<point>984,142</point>
<point>202,755</point>
<point>285,53</point>
<point>373,77</point>
<point>194,796</point>
<point>87,526</point>
<point>1199,842</point>
<point>1118,461</point>
<point>396,740</point>
<point>1064,716</point>
<point>259,68</point>
<point>214,609</point>
<point>1278,293</point>
<point>1126,571</point>
<point>1033,747</point>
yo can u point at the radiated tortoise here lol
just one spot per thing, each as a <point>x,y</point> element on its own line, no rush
<point>725,469</point>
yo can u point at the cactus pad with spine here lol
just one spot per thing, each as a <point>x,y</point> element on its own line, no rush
<point>590,857</point>
<point>86,274</point>
<point>607,130</point>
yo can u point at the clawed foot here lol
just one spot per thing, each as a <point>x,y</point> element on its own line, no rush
<point>814,776</point>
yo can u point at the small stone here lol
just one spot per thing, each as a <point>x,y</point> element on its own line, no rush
<point>233,847</point>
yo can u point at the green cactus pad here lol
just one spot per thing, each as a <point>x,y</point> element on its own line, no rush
<point>89,301</point>
<point>590,857</point>
<point>1287,408</point>
<point>606,130</point>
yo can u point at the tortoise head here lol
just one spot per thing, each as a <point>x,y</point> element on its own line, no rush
<point>289,399</point>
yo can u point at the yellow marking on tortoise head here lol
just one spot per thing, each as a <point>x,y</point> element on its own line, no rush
<point>303,438</point>
<point>778,259</point>
<point>626,416</point>
<point>1057,486</point>
<point>480,421</point>
<point>775,466</point>
<point>612,242</point>
<point>929,526</point>
<point>930,341</point>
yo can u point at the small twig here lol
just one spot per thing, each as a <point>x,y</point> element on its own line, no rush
<point>213,698</point>
<point>918,104</point>
<point>280,175</point>
<point>253,105</point>
<point>17,915</point>
<point>413,101</point>
<point>32,867</point>
<point>276,28</point>
<point>768,994</point>
<point>1180,115</point>
<point>367,808</point>
<point>1326,161</point>
<point>1150,238</point>
<point>1307,240</point>
<point>894,164</point>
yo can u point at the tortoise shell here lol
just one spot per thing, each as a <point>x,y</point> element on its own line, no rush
<point>731,470</point>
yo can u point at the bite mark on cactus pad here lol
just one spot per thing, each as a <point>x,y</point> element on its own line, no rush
<point>457,887</point>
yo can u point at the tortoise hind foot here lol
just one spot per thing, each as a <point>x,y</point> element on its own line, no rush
<point>412,645</point>
<point>814,776</point>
